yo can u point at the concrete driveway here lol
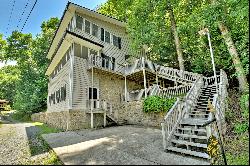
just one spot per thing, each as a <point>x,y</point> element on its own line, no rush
<point>124,145</point>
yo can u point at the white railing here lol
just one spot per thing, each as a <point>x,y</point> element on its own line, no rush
<point>220,104</point>
<point>190,100</point>
<point>210,80</point>
<point>104,63</point>
<point>171,120</point>
<point>178,74</point>
<point>174,91</point>
<point>179,110</point>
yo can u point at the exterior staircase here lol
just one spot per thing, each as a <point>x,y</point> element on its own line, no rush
<point>190,137</point>
<point>183,127</point>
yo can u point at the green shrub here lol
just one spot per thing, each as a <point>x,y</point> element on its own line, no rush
<point>157,104</point>
<point>240,127</point>
<point>21,116</point>
<point>244,105</point>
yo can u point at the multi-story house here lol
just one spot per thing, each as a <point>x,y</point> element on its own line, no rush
<point>91,82</point>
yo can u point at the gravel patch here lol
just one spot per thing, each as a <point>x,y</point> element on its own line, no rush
<point>19,143</point>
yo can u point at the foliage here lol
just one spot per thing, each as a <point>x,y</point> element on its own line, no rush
<point>25,84</point>
<point>148,23</point>
<point>42,146</point>
<point>157,104</point>
<point>9,75</point>
<point>44,129</point>
<point>21,116</point>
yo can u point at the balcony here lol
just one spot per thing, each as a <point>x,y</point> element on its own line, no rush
<point>105,65</point>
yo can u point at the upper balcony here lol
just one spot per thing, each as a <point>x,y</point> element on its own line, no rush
<point>105,64</point>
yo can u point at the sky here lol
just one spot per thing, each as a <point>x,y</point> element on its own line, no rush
<point>43,10</point>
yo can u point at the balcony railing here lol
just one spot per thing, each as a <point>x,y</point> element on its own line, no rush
<point>104,63</point>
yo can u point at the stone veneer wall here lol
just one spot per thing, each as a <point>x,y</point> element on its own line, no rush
<point>112,88</point>
<point>132,113</point>
<point>78,119</point>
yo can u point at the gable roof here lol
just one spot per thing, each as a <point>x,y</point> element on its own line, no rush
<point>68,13</point>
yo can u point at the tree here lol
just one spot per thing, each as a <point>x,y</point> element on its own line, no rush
<point>9,76</point>
<point>30,54</point>
<point>176,36</point>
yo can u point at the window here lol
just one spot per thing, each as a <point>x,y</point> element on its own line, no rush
<point>94,92</point>
<point>94,30</point>
<point>107,37</point>
<point>84,52</point>
<point>79,22</point>
<point>113,63</point>
<point>117,41</point>
<point>87,26</point>
<point>102,34</point>
<point>77,50</point>
<point>127,56</point>
<point>108,62</point>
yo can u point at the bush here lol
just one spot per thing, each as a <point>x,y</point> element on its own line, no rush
<point>157,104</point>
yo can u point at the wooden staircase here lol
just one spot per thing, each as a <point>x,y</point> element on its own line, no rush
<point>190,137</point>
<point>183,128</point>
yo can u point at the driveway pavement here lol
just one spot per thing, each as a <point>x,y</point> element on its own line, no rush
<point>124,145</point>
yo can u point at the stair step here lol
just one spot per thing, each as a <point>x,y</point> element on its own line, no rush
<point>191,129</point>
<point>189,152</point>
<point>197,114</point>
<point>191,136</point>
<point>182,142</point>
<point>192,121</point>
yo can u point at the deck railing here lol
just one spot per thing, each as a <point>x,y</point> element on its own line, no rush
<point>178,74</point>
<point>104,63</point>
<point>174,91</point>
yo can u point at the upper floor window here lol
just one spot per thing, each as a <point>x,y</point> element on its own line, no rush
<point>79,22</point>
<point>94,30</point>
<point>117,41</point>
<point>87,26</point>
<point>102,34</point>
<point>107,37</point>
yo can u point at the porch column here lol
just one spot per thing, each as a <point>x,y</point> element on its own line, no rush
<point>125,90</point>
<point>92,95</point>
<point>144,76</point>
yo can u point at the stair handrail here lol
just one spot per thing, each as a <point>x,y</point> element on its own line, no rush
<point>190,100</point>
<point>179,110</point>
<point>188,76</point>
<point>220,103</point>
<point>171,92</point>
<point>170,122</point>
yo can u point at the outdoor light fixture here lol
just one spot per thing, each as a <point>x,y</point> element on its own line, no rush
<point>204,32</point>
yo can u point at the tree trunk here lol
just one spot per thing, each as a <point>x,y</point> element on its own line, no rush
<point>176,38</point>
<point>235,57</point>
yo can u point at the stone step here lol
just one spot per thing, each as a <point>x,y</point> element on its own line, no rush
<point>189,152</point>
<point>182,142</point>
<point>191,136</point>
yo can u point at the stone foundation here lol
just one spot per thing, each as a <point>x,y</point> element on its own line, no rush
<point>73,119</point>
<point>127,113</point>
<point>132,113</point>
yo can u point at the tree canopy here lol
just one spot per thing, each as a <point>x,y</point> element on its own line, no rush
<point>25,84</point>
